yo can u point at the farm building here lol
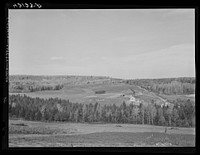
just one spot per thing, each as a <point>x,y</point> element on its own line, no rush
<point>134,101</point>
<point>167,104</point>
<point>100,92</point>
<point>137,102</point>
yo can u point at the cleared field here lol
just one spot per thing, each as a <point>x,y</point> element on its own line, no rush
<point>107,139</point>
<point>86,93</point>
<point>40,134</point>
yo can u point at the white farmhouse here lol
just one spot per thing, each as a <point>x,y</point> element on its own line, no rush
<point>132,99</point>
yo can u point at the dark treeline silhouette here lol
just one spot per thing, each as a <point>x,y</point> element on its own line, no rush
<point>168,86</point>
<point>55,109</point>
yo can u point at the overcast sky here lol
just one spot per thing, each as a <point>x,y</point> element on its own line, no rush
<point>127,43</point>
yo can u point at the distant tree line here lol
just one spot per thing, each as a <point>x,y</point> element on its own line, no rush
<point>55,109</point>
<point>32,83</point>
<point>20,87</point>
<point>168,86</point>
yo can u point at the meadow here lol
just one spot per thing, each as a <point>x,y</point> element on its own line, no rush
<point>56,134</point>
<point>86,93</point>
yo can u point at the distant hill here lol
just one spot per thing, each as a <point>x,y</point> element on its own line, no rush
<point>31,83</point>
<point>168,86</point>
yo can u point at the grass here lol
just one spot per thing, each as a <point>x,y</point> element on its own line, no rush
<point>25,129</point>
<point>113,139</point>
<point>86,93</point>
<point>94,135</point>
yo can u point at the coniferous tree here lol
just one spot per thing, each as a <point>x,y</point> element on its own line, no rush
<point>54,109</point>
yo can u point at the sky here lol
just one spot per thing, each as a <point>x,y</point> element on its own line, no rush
<point>120,43</point>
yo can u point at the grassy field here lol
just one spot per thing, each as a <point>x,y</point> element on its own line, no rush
<point>39,134</point>
<point>82,89</point>
<point>86,93</point>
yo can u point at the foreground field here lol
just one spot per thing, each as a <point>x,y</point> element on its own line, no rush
<point>40,134</point>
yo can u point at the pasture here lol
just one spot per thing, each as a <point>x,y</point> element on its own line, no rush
<point>86,93</point>
<point>42,134</point>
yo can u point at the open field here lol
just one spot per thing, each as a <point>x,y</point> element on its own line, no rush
<point>81,89</point>
<point>86,93</point>
<point>39,134</point>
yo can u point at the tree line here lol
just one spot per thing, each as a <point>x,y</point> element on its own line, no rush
<point>168,86</point>
<point>55,109</point>
<point>21,87</point>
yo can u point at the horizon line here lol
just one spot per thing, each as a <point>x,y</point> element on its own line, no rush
<point>102,76</point>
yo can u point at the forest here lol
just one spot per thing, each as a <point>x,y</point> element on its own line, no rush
<point>31,83</point>
<point>167,86</point>
<point>20,87</point>
<point>55,109</point>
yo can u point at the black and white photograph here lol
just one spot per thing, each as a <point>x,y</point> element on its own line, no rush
<point>101,77</point>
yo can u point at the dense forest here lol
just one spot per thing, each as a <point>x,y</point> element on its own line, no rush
<point>55,109</point>
<point>168,86</point>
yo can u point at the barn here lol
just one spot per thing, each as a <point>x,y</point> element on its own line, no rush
<point>100,92</point>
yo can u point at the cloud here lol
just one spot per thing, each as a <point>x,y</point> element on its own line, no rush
<point>57,58</point>
<point>178,60</point>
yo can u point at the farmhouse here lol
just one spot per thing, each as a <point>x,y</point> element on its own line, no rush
<point>134,101</point>
<point>166,104</point>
